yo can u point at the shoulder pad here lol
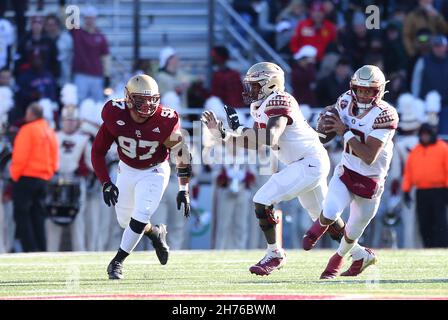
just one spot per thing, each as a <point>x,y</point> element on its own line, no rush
<point>279,105</point>
<point>111,107</point>
<point>387,119</point>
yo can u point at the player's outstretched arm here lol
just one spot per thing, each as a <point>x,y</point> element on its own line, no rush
<point>247,138</point>
<point>182,157</point>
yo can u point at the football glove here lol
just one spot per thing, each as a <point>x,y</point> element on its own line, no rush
<point>232,118</point>
<point>183,198</point>
<point>110,194</point>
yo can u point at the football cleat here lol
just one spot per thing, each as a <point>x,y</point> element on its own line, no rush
<point>269,263</point>
<point>358,266</point>
<point>159,243</point>
<point>313,235</point>
<point>333,267</point>
<point>115,270</point>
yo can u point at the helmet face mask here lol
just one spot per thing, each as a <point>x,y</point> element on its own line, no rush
<point>144,104</point>
<point>368,78</point>
<point>251,92</point>
<point>142,95</point>
<point>261,80</point>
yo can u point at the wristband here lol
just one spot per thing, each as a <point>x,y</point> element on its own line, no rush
<point>183,187</point>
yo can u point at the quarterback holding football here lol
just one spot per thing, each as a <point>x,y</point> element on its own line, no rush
<point>279,123</point>
<point>367,124</point>
<point>145,133</point>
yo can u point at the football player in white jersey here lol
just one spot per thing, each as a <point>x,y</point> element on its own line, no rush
<point>367,124</point>
<point>280,124</point>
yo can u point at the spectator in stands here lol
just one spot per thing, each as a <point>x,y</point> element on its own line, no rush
<point>422,47</point>
<point>394,53</point>
<point>64,44</point>
<point>6,43</point>
<point>226,82</point>
<point>34,161</point>
<point>431,73</point>
<point>35,43</point>
<point>34,84</point>
<point>424,16</point>
<point>287,21</point>
<point>303,76</point>
<point>355,41</point>
<point>20,8</point>
<point>332,86</point>
<point>396,86</point>
<point>315,31</point>
<point>170,77</point>
<point>91,59</point>
<point>427,170</point>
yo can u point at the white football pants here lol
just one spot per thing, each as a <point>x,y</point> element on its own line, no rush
<point>140,192</point>
<point>305,179</point>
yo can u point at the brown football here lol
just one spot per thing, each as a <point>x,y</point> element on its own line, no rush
<point>326,137</point>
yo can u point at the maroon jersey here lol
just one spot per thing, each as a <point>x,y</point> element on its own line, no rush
<point>139,145</point>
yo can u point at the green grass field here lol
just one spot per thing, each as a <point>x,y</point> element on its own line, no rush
<point>402,274</point>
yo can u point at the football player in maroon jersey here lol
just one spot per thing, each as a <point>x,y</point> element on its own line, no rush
<point>145,133</point>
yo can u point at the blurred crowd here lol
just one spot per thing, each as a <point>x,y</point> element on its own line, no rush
<point>63,77</point>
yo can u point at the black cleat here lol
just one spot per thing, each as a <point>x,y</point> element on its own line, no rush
<point>115,270</point>
<point>159,243</point>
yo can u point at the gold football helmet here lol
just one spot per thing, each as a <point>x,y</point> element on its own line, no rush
<point>368,76</point>
<point>261,80</point>
<point>142,93</point>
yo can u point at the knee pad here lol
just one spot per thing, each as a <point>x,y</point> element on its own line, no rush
<point>264,212</point>
<point>137,226</point>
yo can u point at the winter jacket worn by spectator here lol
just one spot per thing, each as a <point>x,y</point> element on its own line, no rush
<point>35,159</point>
<point>306,33</point>
<point>226,82</point>
<point>427,169</point>
<point>421,18</point>
<point>315,31</point>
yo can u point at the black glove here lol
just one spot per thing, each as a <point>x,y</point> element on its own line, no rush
<point>184,198</point>
<point>407,199</point>
<point>110,193</point>
<point>232,118</point>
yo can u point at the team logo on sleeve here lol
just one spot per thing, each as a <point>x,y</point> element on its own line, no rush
<point>121,122</point>
<point>343,104</point>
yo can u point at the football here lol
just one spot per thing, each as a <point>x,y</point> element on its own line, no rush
<point>324,136</point>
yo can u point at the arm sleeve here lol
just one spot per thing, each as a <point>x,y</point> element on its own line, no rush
<point>381,134</point>
<point>280,106</point>
<point>101,145</point>
<point>21,153</point>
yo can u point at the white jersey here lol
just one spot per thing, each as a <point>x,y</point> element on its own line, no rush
<point>299,139</point>
<point>379,122</point>
<point>73,148</point>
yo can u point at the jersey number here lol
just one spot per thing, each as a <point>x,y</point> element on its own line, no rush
<point>129,147</point>
<point>362,138</point>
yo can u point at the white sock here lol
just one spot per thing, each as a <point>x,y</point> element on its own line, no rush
<point>129,240</point>
<point>357,252</point>
<point>272,247</point>
<point>345,247</point>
